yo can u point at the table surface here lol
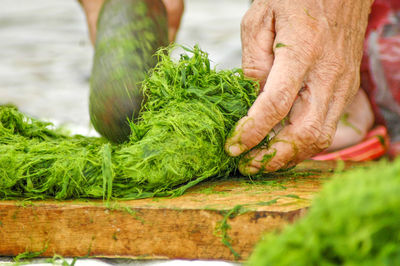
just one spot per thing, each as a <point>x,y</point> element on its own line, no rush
<point>218,220</point>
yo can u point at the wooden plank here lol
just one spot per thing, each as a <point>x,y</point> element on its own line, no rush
<point>186,227</point>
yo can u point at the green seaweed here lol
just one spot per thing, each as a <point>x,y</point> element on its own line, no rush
<point>275,200</point>
<point>267,203</point>
<point>90,247</point>
<point>27,255</point>
<point>309,15</point>
<point>211,190</point>
<point>176,143</point>
<point>353,221</point>
<point>268,157</point>
<point>56,259</point>
<point>283,174</point>
<point>222,227</point>
<point>115,206</point>
<point>25,204</point>
<point>292,196</point>
<point>345,120</point>
<point>280,45</point>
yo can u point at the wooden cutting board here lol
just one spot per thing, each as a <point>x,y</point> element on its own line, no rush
<point>194,226</point>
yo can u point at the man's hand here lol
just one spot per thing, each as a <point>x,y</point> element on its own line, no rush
<point>306,56</point>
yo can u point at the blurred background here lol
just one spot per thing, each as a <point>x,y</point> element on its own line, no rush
<point>46,55</point>
<point>46,60</point>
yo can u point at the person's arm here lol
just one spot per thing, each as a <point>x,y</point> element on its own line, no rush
<point>92,9</point>
<point>306,55</point>
<point>174,9</point>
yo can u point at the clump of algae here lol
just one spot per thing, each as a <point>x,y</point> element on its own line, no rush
<point>353,221</point>
<point>176,143</point>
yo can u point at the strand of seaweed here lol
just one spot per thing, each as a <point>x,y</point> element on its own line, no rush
<point>354,220</point>
<point>176,143</point>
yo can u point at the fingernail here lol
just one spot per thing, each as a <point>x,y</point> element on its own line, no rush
<point>235,150</point>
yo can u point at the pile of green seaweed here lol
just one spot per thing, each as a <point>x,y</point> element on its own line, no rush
<point>355,220</point>
<point>177,142</point>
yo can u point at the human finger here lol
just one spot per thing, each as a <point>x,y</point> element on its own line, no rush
<point>303,135</point>
<point>257,36</point>
<point>272,105</point>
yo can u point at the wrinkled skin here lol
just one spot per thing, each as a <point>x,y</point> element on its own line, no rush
<point>306,56</point>
<point>174,11</point>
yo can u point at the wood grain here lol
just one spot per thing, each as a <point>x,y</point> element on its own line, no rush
<point>185,227</point>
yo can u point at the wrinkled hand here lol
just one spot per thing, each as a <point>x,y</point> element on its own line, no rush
<point>306,56</point>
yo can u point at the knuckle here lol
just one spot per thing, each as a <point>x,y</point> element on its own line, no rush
<point>280,104</point>
<point>336,66</point>
<point>259,134</point>
<point>352,74</point>
<point>309,134</point>
<point>310,45</point>
<point>249,70</point>
<point>349,84</point>
<point>252,69</point>
<point>301,55</point>
<point>274,165</point>
<point>329,71</point>
<point>324,141</point>
<point>309,48</point>
<point>250,133</point>
<point>253,137</point>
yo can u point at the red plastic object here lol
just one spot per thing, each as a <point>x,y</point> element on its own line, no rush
<point>375,145</point>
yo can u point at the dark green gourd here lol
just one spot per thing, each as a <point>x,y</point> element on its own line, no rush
<point>128,34</point>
